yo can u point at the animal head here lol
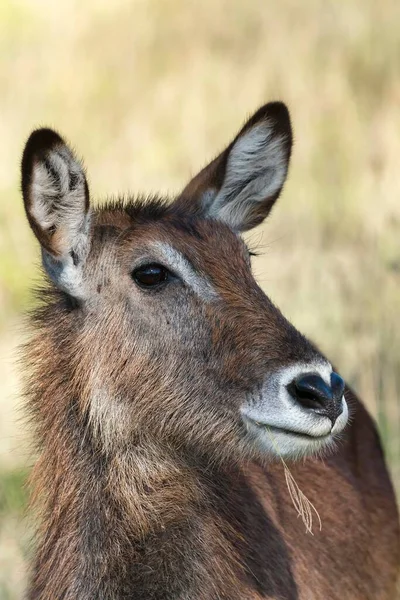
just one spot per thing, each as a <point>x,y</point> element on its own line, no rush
<point>156,321</point>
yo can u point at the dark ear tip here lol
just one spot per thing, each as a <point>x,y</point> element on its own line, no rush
<point>39,143</point>
<point>277,115</point>
<point>278,110</point>
<point>41,140</point>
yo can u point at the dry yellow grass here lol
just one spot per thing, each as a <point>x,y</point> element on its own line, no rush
<point>148,90</point>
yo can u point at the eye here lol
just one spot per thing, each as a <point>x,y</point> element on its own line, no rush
<point>150,276</point>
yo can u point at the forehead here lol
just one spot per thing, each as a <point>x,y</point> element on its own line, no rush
<point>140,225</point>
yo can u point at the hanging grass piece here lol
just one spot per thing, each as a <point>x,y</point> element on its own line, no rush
<point>304,508</point>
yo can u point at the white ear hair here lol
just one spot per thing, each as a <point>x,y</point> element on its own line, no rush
<point>256,170</point>
<point>58,189</point>
<point>56,201</point>
<point>242,183</point>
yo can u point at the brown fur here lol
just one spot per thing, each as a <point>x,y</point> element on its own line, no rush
<point>145,485</point>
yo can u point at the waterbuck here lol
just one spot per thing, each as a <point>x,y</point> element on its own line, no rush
<point>165,387</point>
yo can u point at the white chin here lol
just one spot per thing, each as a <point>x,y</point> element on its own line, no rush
<point>273,441</point>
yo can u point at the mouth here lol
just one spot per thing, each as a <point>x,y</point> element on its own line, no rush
<point>288,432</point>
<point>290,442</point>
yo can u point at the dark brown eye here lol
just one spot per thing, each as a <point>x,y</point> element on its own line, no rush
<point>149,276</point>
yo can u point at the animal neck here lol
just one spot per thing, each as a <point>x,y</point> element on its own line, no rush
<point>109,521</point>
<point>112,516</point>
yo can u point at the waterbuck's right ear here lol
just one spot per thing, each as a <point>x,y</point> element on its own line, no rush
<point>56,200</point>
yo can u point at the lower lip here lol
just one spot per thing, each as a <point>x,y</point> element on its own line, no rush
<point>298,434</point>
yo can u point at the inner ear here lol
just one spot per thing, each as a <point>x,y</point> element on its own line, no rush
<point>56,199</point>
<point>240,186</point>
<point>55,192</point>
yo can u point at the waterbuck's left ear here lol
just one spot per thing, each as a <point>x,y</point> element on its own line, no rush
<point>56,200</point>
<point>241,185</point>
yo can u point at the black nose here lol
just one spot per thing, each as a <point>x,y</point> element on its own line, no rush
<point>313,393</point>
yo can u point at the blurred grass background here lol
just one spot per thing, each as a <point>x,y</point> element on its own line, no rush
<point>147,91</point>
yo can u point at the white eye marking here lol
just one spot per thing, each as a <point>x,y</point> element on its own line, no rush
<point>174,260</point>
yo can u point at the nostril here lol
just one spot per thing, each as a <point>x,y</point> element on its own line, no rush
<point>337,385</point>
<point>311,391</point>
